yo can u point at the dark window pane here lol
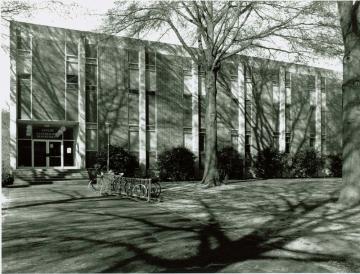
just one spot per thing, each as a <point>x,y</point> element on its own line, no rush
<point>39,154</point>
<point>287,79</point>
<point>90,51</point>
<point>24,131</point>
<point>68,153</point>
<point>69,134</point>
<point>150,109</point>
<point>202,142</point>
<point>24,153</point>
<point>90,159</point>
<point>91,73</point>
<point>150,58</point>
<point>91,106</point>
<point>72,79</point>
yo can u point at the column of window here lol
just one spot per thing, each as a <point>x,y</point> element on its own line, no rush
<point>202,133</point>
<point>323,115</point>
<point>312,125</point>
<point>187,105</point>
<point>276,107</point>
<point>288,118</point>
<point>72,81</point>
<point>133,102</point>
<point>234,108</point>
<point>91,74</point>
<point>24,75</point>
<point>150,86</point>
<point>248,114</point>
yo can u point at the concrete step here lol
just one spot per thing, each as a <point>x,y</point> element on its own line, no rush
<point>46,175</point>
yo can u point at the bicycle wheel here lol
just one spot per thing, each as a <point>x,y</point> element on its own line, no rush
<point>128,188</point>
<point>155,189</point>
<point>139,191</point>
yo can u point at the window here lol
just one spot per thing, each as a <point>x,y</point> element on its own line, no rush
<point>150,110</point>
<point>150,80</point>
<point>276,137</point>
<point>133,57</point>
<point>287,142</point>
<point>312,140</point>
<point>91,137</point>
<point>187,142</point>
<point>23,42</point>
<point>133,108</point>
<point>91,82</point>
<point>150,60</point>
<point>24,96</point>
<point>248,115</point>
<point>134,141</point>
<point>90,50</point>
<point>247,144</point>
<point>187,85</point>
<point>71,49</point>
<point>234,140</point>
<point>151,149</point>
<point>275,78</point>
<point>322,85</point>
<point>23,64</point>
<point>287,79</point>
<point>288,123</point>
<point>202,147</point>
<point>24,153</point>
<point>134,79</point>
<point>91,104</point>
<point>187,111</point>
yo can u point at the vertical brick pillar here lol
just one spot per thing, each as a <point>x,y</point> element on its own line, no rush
<point>142,111</point>
<point>241,108</point>
<point>317,112</point>
<point>282,102</point>
<point>195,114</point>
<point>81,138</point>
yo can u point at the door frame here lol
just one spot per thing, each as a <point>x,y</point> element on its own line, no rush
<point>47,153</point>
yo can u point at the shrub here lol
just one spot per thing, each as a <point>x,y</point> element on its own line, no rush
<point>230,163</point>
<point>121,161</point>
<point>176,164</point>
<point>7,179</point>
<point>307,163</point>
<point>270,163</point>
<point>335,165</point>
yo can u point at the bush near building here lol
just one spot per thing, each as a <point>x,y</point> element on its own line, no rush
<point>7,179</point>
<point>230,163</point>
<point>176,164</point>
<point>270,163</point>
<point>120,161</point>
<point>335,165</point>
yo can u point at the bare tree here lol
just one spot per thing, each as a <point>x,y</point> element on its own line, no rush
<point>349,13</point>
<point>221,29</point>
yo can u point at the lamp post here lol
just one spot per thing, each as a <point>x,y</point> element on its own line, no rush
<point>107,125</point>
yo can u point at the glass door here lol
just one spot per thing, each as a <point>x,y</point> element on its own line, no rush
<point>39,157</point>
<point>54,148</point>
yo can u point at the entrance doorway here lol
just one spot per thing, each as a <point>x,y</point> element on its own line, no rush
<point>47,153</point>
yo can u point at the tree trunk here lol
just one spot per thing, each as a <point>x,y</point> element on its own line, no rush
<point>349,18</point>
<point>211,176</point>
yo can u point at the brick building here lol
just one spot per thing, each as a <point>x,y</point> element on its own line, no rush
<point>67,85</point>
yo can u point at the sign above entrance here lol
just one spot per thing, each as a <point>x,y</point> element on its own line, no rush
<point>46,133</point>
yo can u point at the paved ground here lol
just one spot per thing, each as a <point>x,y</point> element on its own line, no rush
<point>257,226</point>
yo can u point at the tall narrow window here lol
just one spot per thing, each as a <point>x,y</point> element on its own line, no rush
<point>287,142</point>
<point>187,102</point>
<point>72,81</point>
<point>91,85</point>
<point>24,96</point>
<point>150,111</point>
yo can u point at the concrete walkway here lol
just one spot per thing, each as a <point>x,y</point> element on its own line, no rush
<point>257,226</point>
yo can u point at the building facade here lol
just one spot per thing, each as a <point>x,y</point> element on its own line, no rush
<point>71,91</point>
